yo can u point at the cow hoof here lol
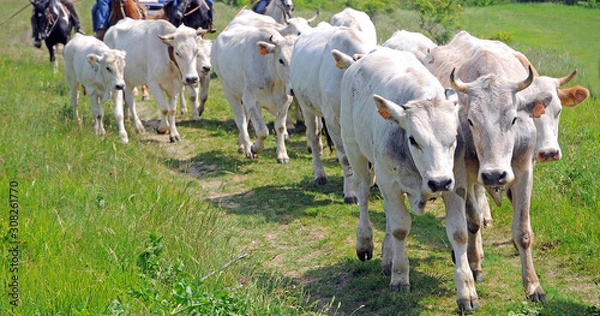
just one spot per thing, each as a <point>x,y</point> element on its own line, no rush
<point>467,306</point>
<point>488,223</point>
<point>387,268</point>
<point>351,200</point>
<point>364,255</point>
<point>251,156</point>
<point>400,288</point>
<point>37,44</point>
<point>175,139</point>
<point>478,276</point>
<point>321,180</point>
<point>538,296</point>
<point>283,161</point>
<point>161,130</point>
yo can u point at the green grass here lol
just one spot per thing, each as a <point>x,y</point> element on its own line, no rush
<point>107,229</point>
<point>567,32</point>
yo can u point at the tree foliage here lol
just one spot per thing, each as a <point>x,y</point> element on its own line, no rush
<point>439,18</point>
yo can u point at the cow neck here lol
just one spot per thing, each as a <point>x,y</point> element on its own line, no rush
<point>172,57</point>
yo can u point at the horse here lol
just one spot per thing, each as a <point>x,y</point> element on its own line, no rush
<point>120,9</point>
<point>51,23</point>
<point>192,13</point>
<point>280,10</point>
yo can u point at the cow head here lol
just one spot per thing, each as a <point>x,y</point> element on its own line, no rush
<point>279,49</point>
<point>431,127</point>
<point>110,66</point>
<point>492,108</point>
<point>546,146</point>
<point>183,49</point>
<point>203,58</point>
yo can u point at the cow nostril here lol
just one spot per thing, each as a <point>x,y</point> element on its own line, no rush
<point>292,92</point>
<point>206,69</point>
<point>549,155</point>
<point>191,80</point>
<point>441,185</point>
<point>494,178</point>
<point>119,87</point>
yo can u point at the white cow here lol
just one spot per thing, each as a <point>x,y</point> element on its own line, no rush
<point>292,26</point>
<point>412,141</point>
<point>253,65</point>
<point>499,135</point>
<point>316,83</point>
<point>357,20</point>
<point>198,94</point>
<point>160,56</point>
<point>413,42</point>
<point>89,62</point>
<point>442,59</point>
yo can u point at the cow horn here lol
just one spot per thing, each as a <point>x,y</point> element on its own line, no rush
<point>527,82</point>
<point>566,79</point>
<point>456,83</point>
<point>314,18</point>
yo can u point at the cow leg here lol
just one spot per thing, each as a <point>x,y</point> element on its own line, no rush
<point>182,104</point>
<point>130,100</point>
<point>398,224</point>
<point>334,130</point>
<point>364,231</point>
<point>523,235</point>
<point>241,121</point>
<point>456,230</point>
<point>282,134</point>
<point>117,97</point>
<point>254,114</point>
<point>313,136</point>
<point>167,109</point>
<point>98,114</point>
<point>74,96</point>
<point>474,227</point>
<point>199,108</point>
<point>484,205</point>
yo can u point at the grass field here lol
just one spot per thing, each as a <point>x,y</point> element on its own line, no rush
<point>155,228</point>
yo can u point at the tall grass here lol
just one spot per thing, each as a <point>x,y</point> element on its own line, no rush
<point>155,228</point>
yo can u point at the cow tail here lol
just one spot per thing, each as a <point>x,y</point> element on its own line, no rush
<point>327,136</point>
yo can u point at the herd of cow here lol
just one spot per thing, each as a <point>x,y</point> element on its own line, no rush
<point>423,121</point>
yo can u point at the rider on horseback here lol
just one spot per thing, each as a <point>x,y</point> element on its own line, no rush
<point>73,17</point>
<point>101,14</point>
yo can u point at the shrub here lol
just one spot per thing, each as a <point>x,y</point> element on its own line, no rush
<point>439,18</point>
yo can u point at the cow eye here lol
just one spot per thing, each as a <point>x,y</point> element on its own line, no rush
<point>108,69</point>
<point>470,123</point>
<point>514,121</point>
<point>413,142</point>
<point>558,113</point>
<point>281,62</point>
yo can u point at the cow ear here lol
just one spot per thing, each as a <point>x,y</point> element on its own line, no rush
<point>571,97</point>
<point>93,59</point>
<point>536,105</point>
<point>389,110</point>
<point>167,39</point>
<point>451,95</point>
<point>342,61</point>
<point>265,48</point>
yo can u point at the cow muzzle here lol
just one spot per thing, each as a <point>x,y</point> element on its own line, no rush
<point>119,86</point>
<point>191,80</point>
<point>439,185</point>
<point>547,155</point>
